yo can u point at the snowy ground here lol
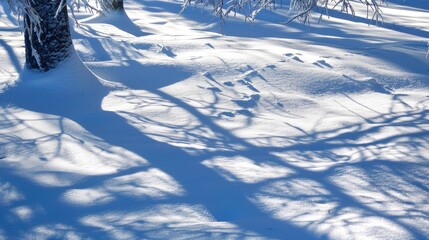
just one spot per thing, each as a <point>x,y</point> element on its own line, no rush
<point>268,132</point>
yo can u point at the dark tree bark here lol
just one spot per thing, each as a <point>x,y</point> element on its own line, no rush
<point>55,43</point>
<point>117,4</point>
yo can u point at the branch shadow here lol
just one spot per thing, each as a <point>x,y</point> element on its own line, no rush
<point>11,53</point>
<point>203,186</point>
<point>268,24</point>
<point>240,205</point>
<point>118,19</point>
<point>218,190</point>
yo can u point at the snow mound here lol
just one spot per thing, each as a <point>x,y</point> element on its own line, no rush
<point>68,89</point>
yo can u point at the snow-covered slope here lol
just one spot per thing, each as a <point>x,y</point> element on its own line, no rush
<point>171,130</point>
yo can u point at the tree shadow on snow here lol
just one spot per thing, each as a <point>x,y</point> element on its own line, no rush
<point>221,204</point>
<point>286,193</point>
<point>12,55</point>
<point>268,24</point>
<point>203,186</point>
<point>119,19</point>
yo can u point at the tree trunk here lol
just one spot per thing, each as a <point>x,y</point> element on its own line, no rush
<point>117,4</point>
<point>55,43</point>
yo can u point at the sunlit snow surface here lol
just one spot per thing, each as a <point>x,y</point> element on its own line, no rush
<point>266,132</point>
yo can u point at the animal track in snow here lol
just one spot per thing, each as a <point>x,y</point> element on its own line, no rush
<point>214,89</point>
<point>252,88</point>
<point>244,112</point>
<point>250,73</point>
<point>248,83</point>
<point>252,102</point>
<point>166,50</point>
<point>330,57</point>
<point>245,79</point>
<point>227,114</point>
<point>244,68</point>
<point>238,112</point>
<point>294,57</point>
<point>270,66</point>
<point>323,64</point>
<point>372,84</point>
<point>209,76</point>
<point>228,83</point>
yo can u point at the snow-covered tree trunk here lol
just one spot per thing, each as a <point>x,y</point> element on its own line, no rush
<point>45,49</point>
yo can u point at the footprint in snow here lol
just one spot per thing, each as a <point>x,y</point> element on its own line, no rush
<point>238,112</point>
<point>271,66</point>
<point>330,57</point>
<point>248,83</point>
<point>141,46</point>
<point>228,83</point>
<point>226,114</point>
<point>377,87</point>
<point>245,79</point>
<point>249,103</point>
<point>323,64</point>
<point>244,112</point>
<point>244,68</point>
<point>166,50</point>
<point>214,89</point>
<point>294,57</point>
<point>250,73</point>
<point>372,84</point>
<point>209,76</point>
<point>253,74</point>
<point>251,87</point>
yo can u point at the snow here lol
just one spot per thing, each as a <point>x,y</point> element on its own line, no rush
<point>171,130</point>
